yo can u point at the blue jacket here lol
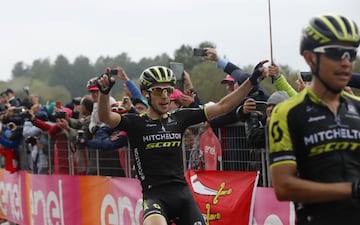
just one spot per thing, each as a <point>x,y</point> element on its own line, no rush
<point>103,140</point>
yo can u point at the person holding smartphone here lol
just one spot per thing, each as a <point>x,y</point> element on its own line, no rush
<point>260,112</point>
<point>314,136</point>
<point>156,140</point>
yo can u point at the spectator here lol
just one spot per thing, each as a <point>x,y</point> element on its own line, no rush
<point>232,158</point>
<point>11,138</point>
<point>11,98</point>
<point>140,105</point>
<point>229,82</point>
<point>64,143</point>
<point>132,90</point>
<point>109,142</point>
<point>37,145</point>
<point>255,129</point>
<point>95,123</point>
<point>82,127</point>
<point>280,81</point>
<point>239,76</point>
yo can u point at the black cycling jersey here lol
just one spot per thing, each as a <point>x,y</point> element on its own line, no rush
<point>324,146</point>
<point>156,144</point>
<point>157,149</point>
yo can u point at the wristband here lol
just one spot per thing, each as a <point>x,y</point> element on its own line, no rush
<point>254,78</point>
<point>277,77</point>
<point>355,189</point>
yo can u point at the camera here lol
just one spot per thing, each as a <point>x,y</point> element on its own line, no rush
<point>60,115</point>
<point>11,126</point>
<point>3,109</point>
<point>114,72</point>
<point>254,120</point>
<point>199,52</point>
<point>76,101</point>
<point>25,114</point>
<point>261,106</point>
<point>20,114</point>
<point>17,111</point>
<point>30,140</point>
<point>81,138</point>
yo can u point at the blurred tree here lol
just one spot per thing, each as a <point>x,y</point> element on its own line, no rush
<point>54,93</point>
<point>100,65</point>
<point>207,44</point>
<point>81,70</point>
<point>62,72</point>
<point>41,69</point>
<point>20,70</point>
<point>206,80</point>
<point>74,76</point>
<point>184,55</point>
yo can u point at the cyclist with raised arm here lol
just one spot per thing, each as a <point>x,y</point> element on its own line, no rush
<point>155,138</point>
<point>315,135</point>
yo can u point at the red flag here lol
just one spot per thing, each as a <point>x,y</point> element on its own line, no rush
<point>224,197</point>
<point>211,149</point>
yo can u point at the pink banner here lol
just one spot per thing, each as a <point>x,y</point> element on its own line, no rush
<point>268,210</point>
<point>59,199</point>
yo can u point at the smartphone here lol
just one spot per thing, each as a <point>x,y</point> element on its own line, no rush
<point>58,104</point>
<point>199,52</point>
<point>306,76</point>
<point>178,69</point>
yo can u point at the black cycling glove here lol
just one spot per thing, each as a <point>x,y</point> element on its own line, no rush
<point>103,89</point>
<point>355,187</point>
<point>256,75</point>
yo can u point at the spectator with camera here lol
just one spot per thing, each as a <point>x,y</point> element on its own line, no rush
<point>10,139</point>
<point>82,126</point>
<point>37,146</point>
<point>11,98</point>
<point>64,142</point>
<point>74,105</point>
<point>95,122</point>
<point>109,142</point>
<point>232,157</point>
<point>258,93</point>
<point>255,128</point>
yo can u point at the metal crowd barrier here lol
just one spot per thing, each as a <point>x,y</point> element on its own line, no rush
<point>64,157</point>
<point>236,153</point>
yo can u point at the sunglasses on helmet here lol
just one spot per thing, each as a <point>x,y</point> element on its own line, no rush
<point>337,53</point>
<point>158,91</point>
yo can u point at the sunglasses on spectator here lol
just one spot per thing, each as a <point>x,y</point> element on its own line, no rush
<point>158,91</point>
<point>337,53</point>
<point>140,108</point>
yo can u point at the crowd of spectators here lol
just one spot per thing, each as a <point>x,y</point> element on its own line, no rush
<point>69,138</point>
